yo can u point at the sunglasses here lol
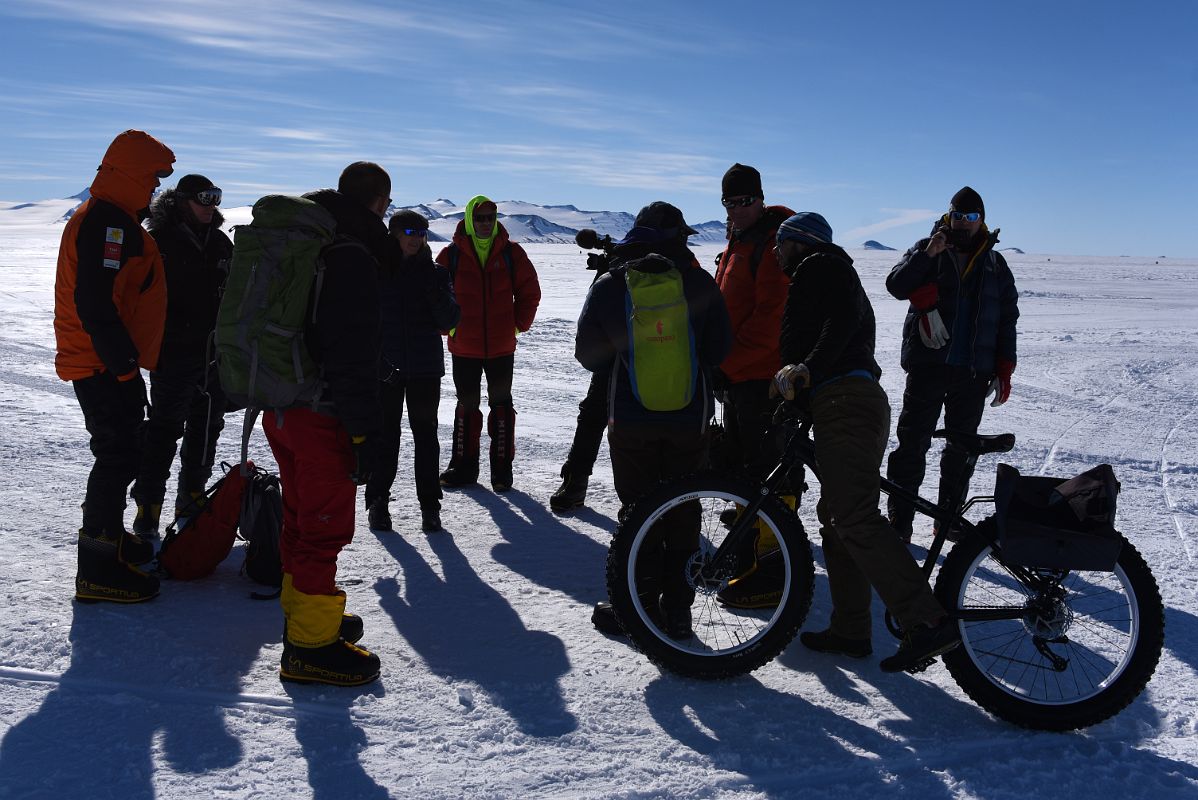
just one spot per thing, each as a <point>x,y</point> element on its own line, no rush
<point>414,231</point>
<point>208,197</point>
<point>484,217</point>
<point>970,216</point>
<point>164,173</point>
<point>738,202</point>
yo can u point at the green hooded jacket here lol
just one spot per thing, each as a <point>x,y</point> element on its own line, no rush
<point>482,247</point>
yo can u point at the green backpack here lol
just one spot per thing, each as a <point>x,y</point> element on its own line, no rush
<point>270,295</point>
<point>661,346</point>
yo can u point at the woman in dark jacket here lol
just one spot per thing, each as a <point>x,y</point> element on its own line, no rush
<point>185,396</point>
<point>417,304</point>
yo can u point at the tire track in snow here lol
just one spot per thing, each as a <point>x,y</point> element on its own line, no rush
<point>1052,450</point>
<point>1170,504</point>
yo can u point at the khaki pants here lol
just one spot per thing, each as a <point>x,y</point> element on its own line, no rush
<point>852,423</point>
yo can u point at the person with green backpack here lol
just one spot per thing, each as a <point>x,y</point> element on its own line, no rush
<point>297,339</point>
<point>659,325</point>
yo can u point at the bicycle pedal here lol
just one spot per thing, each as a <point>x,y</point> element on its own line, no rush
<point>915,669</point>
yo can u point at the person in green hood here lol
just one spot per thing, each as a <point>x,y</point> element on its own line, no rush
<point>497,288</point>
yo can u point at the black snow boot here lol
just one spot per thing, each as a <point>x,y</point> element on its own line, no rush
<point>463,460</point>
<point>501,425</point>
<point>104,575</point>
<point>341,663</point>
<point>430,516</point>
<point>378,515</point>
<point>921,645</point>
<point>573,491</point>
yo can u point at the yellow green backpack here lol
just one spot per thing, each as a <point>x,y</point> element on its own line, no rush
<point>661,347</point>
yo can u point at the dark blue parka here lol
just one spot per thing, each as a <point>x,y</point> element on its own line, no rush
<point>990,299</point>
<point>602,340</point>
<point>417,303</point>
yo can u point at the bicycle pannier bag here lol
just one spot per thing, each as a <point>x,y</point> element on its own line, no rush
<point>1057,523</point>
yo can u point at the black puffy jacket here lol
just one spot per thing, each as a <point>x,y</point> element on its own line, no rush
<point>417,304</point>
<point>828,323</point>
<point>196,261</point>
<point>995,304</point>
<point>344,339</point>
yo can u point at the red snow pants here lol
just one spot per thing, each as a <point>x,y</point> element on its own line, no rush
<point>315,462</point>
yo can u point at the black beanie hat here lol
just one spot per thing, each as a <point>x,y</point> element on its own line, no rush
<point>967,200</point>
<point>741,179</point>
<point>190,184</point>
<point>407,219</point>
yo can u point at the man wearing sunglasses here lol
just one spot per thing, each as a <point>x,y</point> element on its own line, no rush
<point>185,396</point>
<point>416,305</point>
<point>958,344</point>
<point>109,307</point>
<point>498,291</point>
<point>754,289</point>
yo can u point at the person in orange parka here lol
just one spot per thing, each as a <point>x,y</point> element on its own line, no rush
<point>498,291</point>
<point>754,290</point>
<point>109,313</point>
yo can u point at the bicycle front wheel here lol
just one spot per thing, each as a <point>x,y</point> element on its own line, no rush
<point>726,640</point>
<point>1068,656</point>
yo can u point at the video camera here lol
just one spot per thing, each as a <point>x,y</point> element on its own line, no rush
<point>589,239</point>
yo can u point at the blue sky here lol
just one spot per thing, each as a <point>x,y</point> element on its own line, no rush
<point>1076,121</point>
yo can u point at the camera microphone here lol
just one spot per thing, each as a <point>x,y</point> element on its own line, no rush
<point>589,239</point>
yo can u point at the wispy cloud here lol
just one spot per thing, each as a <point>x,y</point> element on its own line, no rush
<point>300,31</point>
<point>295,134</point>
<point>898,218</point>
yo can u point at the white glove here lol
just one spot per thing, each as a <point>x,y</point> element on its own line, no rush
<point>790,379</point>
<point>931,330</point>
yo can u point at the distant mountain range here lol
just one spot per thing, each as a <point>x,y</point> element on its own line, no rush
<point>529,222</point>
<point>525,222</point>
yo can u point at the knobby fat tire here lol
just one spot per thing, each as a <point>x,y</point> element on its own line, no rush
<point>679,657</point>
<point>1059,714</point>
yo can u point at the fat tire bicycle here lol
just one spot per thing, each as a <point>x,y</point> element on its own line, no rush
<point>1048,649</point>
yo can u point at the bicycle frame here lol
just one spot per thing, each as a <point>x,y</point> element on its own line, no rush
<point>800,450</point>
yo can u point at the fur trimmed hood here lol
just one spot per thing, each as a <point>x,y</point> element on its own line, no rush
<point>167,211</point>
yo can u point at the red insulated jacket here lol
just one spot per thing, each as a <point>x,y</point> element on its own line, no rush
<point>110,290</point>
<point>754,290</point>
<point>495,301</point>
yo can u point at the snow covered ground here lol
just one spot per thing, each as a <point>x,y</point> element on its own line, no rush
<point>494,682</point>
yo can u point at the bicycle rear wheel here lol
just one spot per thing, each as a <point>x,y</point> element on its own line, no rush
<point>1068,657</point>
<point>726,641</point>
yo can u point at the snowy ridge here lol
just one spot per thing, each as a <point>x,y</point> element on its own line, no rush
<point>525,222</point>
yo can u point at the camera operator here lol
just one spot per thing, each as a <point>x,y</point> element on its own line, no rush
<point>592,411</point>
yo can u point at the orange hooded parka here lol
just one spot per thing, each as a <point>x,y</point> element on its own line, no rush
<point>110,290</point>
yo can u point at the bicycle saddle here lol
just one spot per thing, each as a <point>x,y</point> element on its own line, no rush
<point>978,444</point>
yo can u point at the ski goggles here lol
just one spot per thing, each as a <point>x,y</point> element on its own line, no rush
<point>738,202</point>
<point>968,216</point>
<point>208,197</point>
<point>414,231</point>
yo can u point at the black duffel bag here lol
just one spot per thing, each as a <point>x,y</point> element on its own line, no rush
<point>1058,523</point>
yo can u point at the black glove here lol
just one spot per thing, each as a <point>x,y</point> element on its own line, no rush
<point>363,451</point>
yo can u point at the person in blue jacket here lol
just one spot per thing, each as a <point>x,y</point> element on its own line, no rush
<point>417,305</point>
